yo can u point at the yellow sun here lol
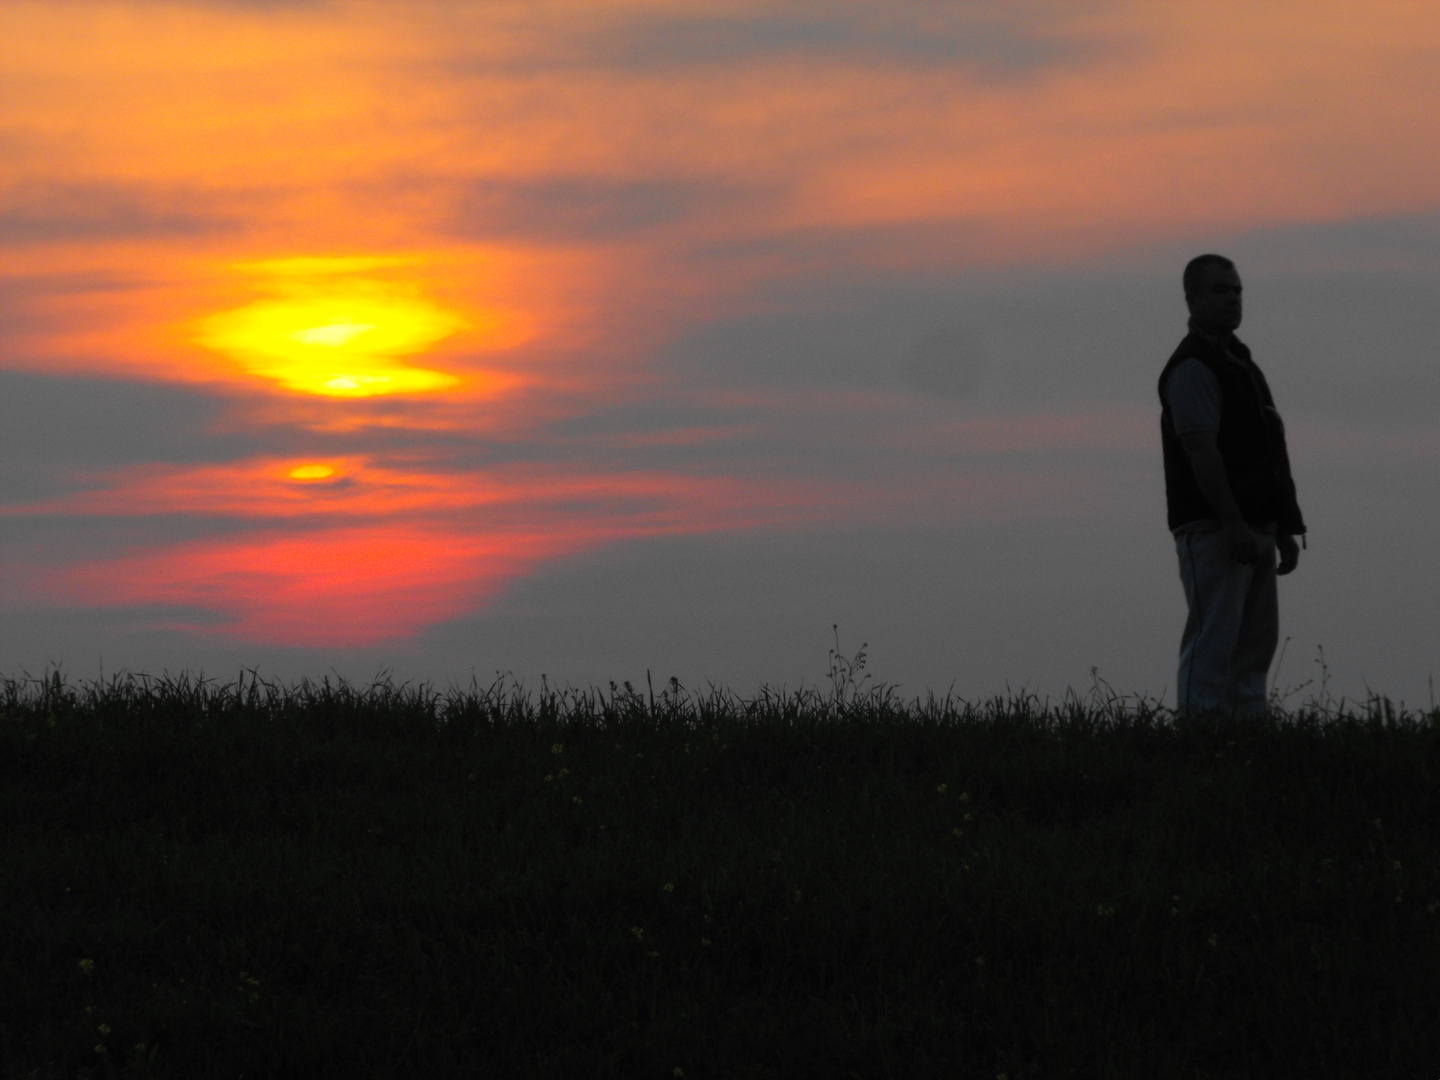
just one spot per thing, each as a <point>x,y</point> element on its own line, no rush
<point>311,472</point>
<point>341,340</point>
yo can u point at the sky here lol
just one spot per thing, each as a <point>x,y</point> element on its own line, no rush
<point>593,338</point>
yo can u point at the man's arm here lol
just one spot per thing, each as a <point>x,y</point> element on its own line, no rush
<point>1209,469</point>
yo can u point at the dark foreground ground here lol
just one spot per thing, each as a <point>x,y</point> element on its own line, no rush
<point>227,881</point>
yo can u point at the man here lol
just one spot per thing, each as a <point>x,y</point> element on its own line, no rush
<point>1230,499</point>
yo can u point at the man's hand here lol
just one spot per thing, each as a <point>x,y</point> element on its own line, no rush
<point>1289,553</point>
<point>1244,544</point>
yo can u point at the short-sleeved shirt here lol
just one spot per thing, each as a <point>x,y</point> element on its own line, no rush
<point>1194,396</point>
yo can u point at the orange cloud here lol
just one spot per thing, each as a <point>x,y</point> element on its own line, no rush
<point>354,488</point>
<point>370,553</point>
<point>565,171</point>
<point>339,587</point>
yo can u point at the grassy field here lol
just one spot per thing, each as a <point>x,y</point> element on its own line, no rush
<point>251,880</point>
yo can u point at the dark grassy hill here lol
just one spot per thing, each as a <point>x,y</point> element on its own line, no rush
<point>206,880</point>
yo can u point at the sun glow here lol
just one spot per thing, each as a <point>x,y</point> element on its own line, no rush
<point>344,341</point>
<point>311,472</point>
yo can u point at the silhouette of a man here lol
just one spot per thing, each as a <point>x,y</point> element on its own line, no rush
<point>1229,496</point>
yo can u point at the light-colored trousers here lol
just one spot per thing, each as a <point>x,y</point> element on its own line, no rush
<point>1234,624</point>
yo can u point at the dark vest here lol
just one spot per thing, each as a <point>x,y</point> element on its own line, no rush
<point>1251,442</point>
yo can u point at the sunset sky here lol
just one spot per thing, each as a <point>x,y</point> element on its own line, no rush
<point>584,338</point>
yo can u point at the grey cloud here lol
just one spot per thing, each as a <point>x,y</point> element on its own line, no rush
<point>41,540</point>
<point>1344,317</point>
<point>89,421</point>
<point>55,212</point>
<point>850,341</point>
<point>54,426</point>
<point>985,604</point>
<point>26,308</point>
<point>973,607</point>
<point>1359,342</point>
<point>994,43</point>
<point>18,290</point>
<point>23,313</point>
<point>947,361</point>
<point>87,643</point>
<point>578,207</point>
<point>1350,345</point>
<point>1409,242</point>
<point>658,410</point>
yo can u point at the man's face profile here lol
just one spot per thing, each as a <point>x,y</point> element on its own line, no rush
<point>1215,303</point>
